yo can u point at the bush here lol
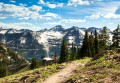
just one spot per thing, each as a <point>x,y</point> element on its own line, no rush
<point>34,63</point>
<point>3,70</point>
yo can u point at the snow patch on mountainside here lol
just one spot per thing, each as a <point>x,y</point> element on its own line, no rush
<point>13,31</point>
<point>45,36</point>
<point>48,37</point>
<point>22,40</point>
<point>81,34</point>
<point>111,36</point>
<point>3,31</point>
<point>71,39</point>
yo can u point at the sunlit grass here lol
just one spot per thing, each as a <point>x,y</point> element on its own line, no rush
<point>84,60</point>
<point>44,73</point>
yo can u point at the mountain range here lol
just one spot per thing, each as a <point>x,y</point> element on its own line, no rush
<point>37,43</point>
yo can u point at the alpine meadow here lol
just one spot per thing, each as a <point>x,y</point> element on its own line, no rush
<point>59,41</point>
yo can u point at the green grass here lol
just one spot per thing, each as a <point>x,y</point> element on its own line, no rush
<point>84,60</point>
<point>43,73</point>
<point>97,71</point>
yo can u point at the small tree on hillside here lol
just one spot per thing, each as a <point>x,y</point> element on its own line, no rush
<point>104,38</point>
<point>73,52</point>
<point>55,57</point>
<point>64,52</point>
<point>116,37</point>
<point>96,42</point>
<point>34,63</point>
<point>91,45</point>
<point>3,69</point>
<point>84,51</point>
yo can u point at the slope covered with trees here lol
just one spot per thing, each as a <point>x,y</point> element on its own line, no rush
<point>10,62</point>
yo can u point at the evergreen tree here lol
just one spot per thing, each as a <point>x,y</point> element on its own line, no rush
<point>73,52</point>
<point>55,57</point>
<point>64,52</point>
<point>116,37</point>
<point>91,45</point>
<point>3,69</point>
<point>77,52</point>
<point>104,38</point>
<point>84,51</point>
<point>34,63</point>
<point>96,42</point>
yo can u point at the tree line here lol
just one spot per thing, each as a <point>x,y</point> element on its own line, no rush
<point>93,43</point>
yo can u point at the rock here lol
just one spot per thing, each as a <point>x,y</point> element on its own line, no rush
<point>33,81</point>
<point>86,79</point>
<point>59,67</point>
<point>70,81</point>
<point>49,68</point>
<point>36,72</point>
<point>23,79</point>
<point>118,59</point>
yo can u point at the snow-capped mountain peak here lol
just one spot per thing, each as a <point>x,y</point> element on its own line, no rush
<point>35,43</point>
<point>57,28</point>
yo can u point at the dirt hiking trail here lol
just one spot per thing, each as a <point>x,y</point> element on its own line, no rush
<point>64,73</point>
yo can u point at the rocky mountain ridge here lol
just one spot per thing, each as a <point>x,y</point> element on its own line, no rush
<point>37,43</point>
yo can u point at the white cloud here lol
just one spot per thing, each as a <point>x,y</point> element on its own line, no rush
<point>60,4</point>
<point>21,25</point>
<point>41,2</point>
<point>3,17</point>
<point>51,15</point>
<point>105,11</point>
<point>72,21</point>
<point>78,2</point>
<point>50,5</point>
<point>23,5</point>
<point>24,13</point>
<point>12,1</point>
<point>112,15</point>
<point>108,15</point>
<point>54,5</point>
<point>66,21</point>
<point>35,8</point>
<point>36,16</point>
<point>111,23</point>
<point>95,16</point>
<point>10,10</point>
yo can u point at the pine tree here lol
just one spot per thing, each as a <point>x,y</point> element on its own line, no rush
<point>64,52</point>
<point>3,69</point>
<point>55,57</point>
<point>84,51</point>
<point>34,63</point>
<point>73,52</point>
<point>77,52</point>
<point>104,38</point>
<point>96,42</point>
<point>116,37</point>
<point>91,45</point>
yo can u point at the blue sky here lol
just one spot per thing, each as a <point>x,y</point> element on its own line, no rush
<point>40,14</point>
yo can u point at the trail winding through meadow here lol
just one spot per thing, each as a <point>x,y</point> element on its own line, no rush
<point>64,73</point>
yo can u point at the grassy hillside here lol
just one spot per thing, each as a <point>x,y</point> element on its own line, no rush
<point>9,56</point>
<point>33,75</point>
<point>104,68</point>
<point>14,61</point>
<point>40,74</point>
